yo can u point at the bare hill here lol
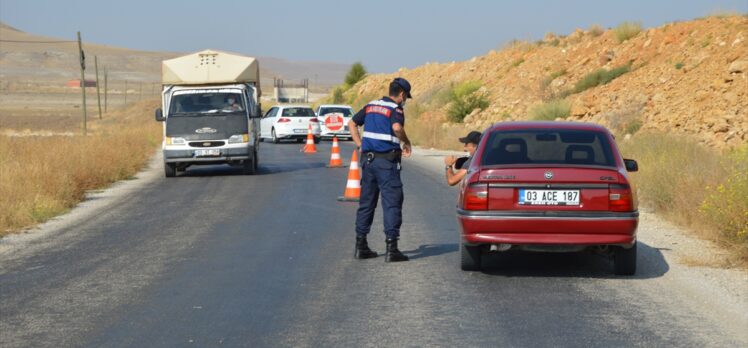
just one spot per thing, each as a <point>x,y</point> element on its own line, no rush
<point>39,58</point>
<point>685,77</point>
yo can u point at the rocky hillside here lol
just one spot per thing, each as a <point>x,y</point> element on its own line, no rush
<point>686,77</point>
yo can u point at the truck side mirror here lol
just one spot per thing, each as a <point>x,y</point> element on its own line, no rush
<point>631,165</point>
<point>160,115</point>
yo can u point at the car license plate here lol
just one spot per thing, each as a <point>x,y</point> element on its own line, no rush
<point>548,197</point>
<point>300,131</point>
<point>207,152</point>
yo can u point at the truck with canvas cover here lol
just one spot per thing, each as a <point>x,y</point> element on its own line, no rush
<point>210,110</point>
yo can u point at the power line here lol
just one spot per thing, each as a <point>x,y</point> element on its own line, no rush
<point>24,41</point>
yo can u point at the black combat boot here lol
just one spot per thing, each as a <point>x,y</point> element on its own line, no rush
<point>362,249</point>
<point>393,254</point>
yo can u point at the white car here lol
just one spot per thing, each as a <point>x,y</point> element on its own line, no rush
<point>289,122</point>
<point>333,120</point>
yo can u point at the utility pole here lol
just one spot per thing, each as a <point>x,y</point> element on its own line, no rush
<point>82,58</point>
<point>98,91</point>
<point>125,92</point>
<point>106,73</point>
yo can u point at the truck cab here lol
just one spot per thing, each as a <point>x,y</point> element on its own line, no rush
<point>210,111</point>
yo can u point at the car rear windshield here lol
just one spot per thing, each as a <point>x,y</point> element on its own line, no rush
<point>298,112</point>
<point>345,111</point>
<point>548,146</point>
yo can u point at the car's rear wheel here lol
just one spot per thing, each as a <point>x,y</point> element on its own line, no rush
<point>624,260</point>
<point>274,136</point>
<point>170,170</point>
<point>470,257</point>
<point>317,140</point>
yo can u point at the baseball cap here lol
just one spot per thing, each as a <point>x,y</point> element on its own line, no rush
<point>472,137</point>
<point>405,85</point>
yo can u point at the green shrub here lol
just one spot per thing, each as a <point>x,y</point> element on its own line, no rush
<point>600,77</point>
<point>355,74</point>
<point>554,75</point>
<point>549,111</point>
<point>679,65</point>
<point>633,126</point>
<point>337,95</point>
<point>465,98</point>
<point>726,205</point>
<point>627,30</point>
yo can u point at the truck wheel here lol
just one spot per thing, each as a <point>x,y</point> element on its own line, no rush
<point>170,170</point>
<point>248,166</point>
<point>275,137</point>
<point>624,260</point>
<point>317,140</point>
<point>470,258</point>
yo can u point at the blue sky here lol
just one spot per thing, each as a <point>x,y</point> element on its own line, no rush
<point>383,35</point>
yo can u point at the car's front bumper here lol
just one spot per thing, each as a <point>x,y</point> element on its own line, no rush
<point>548,228</point>
<point>187,154</point>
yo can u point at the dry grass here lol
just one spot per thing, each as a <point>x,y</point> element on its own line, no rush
<point>627,30</point>
<point>46,176</point>
<point>433,134</point>
<point>694,186</point>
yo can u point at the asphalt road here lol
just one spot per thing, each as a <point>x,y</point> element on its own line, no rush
<point>215,258</point>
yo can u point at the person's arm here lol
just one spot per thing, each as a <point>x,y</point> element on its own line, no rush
<point>398,127</point>
<point>453,177</point>
<point>353,128</point>
<point>356,121</point>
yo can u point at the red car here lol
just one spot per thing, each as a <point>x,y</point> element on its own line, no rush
<point>548,186</point>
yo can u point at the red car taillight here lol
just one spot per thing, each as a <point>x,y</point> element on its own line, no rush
<point>476,197</point>
<point>621,198</point>
<point>283,120</point>
<point>314,120</point>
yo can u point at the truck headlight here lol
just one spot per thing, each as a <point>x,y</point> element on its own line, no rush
<point>239,138</point>
<point>175,141</point>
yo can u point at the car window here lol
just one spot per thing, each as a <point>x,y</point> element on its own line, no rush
<point>298,112</point>
<point>271,112</point>
<point>548,146</point>
<point>345,111</point>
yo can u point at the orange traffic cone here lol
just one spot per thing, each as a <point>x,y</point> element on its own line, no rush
<point>309,147</point>
<point>353,186</point>
<point>335,160</point>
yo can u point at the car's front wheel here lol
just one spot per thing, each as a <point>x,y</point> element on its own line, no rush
<point>624,260</point>
<point>470,258</point>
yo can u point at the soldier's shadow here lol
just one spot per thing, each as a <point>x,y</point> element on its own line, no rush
<point>427,250</point>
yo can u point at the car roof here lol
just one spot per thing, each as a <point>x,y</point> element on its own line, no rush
<point>335,106</point>
<point>516,125</point>
<point>294,106</point>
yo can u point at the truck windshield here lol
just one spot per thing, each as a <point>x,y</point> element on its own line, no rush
<point>206,103</point>
<point>298,112</point>
<point>345,111</point>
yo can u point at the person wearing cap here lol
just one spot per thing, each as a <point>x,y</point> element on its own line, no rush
<point>455,174</point>
<point>382,144</point>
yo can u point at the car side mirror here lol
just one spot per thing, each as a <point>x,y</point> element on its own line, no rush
<point>631,165</point>
<point>160,115</point>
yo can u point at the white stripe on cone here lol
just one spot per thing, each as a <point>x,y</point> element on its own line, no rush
<point>353,184</point>
<point>335,156</point>
<point>354,165</point>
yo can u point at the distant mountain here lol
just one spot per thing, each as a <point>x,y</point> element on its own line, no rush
<point>37,58</point>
